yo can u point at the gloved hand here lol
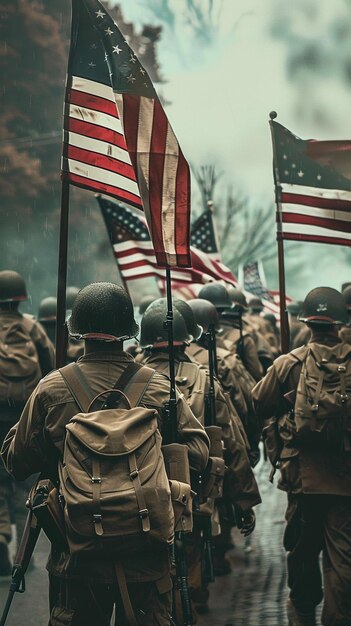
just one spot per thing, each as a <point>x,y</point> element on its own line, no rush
<point>246,522</point>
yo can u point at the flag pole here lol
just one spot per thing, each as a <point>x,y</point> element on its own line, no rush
<point>61,329</point>
<point>284,324</point>
<point>169,323</point>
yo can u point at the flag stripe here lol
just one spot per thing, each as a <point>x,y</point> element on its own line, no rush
<point>95,145</point>
<point>340,194</point>
<point>90,101</point>
<point>308,229</point>
<point>169,188</point>
<point>93,87</point>
<point>101,161</point>
<point>182,202</point>
<point>95,132</point>
<point>95,117</point>
<point>331,224</point>
<point>102,176</point>
<point>316,238</point>
<point>96,185</point>
<point>316,201</point>
<point>323,213</point>
<point>156,173</point>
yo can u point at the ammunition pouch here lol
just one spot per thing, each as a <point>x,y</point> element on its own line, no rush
<point>44,502</point>
<point>176,462</point>
<point>214,473</point>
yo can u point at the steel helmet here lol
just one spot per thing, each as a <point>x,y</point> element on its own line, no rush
<point>255,305</point>
<point>217,294</point>
<point>154,331</point>
<point>294,307</point>
<point>205,313</point>
<point>347,297</point>
<point>47,310</point>
<point>71,294</point>
<point>184,309</point>
<point>324,305</point>
<point>145,303</point>
<point>103,311</point>
<point>12,287</point>
<point>237,297</point>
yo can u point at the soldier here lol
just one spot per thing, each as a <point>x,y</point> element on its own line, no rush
<point>345,331</point>
<point>261,332</point>
<point>234,378</point>
<point>83,587</point>
<point>233,337</point>
<point>305,398</point>
<point>26,354</point>
<point>295,326</point>
<point>47,313</point>
<point>240,486</point>
<point>256,307</point>
<point>75,347</point>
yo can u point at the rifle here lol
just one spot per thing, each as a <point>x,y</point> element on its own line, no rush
<point>24,553</point>
<point>207,565</point>
<point>171,438</point>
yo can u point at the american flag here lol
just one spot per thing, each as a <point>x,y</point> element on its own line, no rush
<point>135,256</point>
<point>117,139</point>
<point>203,235</point>
<point>315,188</point>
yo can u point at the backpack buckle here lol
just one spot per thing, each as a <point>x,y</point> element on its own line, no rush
<point>96,480</point>
<point>97,517</point>
<point>134,474</point>
<point>344,397</point>
<point>341,368</point>
<point>314,407</point>
<point>143,513</point>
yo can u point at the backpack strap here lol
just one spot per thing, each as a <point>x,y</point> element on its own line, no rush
<point>79,387</point>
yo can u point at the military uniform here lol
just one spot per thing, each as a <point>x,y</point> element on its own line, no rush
<point>318,483</point>
<point>240,486</point>
<point>36,443</point>
<point>13,494</point>
<point>231,337</point>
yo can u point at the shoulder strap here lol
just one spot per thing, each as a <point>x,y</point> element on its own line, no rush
<point>79,387</point>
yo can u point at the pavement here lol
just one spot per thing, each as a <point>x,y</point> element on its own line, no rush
<point>253,594</point>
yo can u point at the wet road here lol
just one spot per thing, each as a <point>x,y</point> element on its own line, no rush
<point>253,594</point>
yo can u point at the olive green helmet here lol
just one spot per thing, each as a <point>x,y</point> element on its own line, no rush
<point>205,313</point>
<point>102,311</point>
<point>324,305</point>
<point>71,294</point>
<point>12,287</point>
<point>255,305</point>
<point>154,330</point>
<point>217,294</point>
<point>185,310</point>
<point>237,297</point>
<point>47,311</point>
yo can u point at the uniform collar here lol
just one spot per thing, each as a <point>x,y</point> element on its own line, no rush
<point>119,357</point>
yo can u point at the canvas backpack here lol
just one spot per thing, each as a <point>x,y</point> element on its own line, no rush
<point>19,363</point>
<point>112,476</point>
<point>322,410</point>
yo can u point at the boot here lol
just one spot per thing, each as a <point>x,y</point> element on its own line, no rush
<point>296,618</point>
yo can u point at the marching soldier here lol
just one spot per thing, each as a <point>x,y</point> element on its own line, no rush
<point>240,487</point>
<point>26,354</point>
<point>233,337</point>
<point>83,587</point>
<point>305,398</point>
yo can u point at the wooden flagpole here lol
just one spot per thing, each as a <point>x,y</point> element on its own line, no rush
<point>284,323</point>
<point>61,328</point>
